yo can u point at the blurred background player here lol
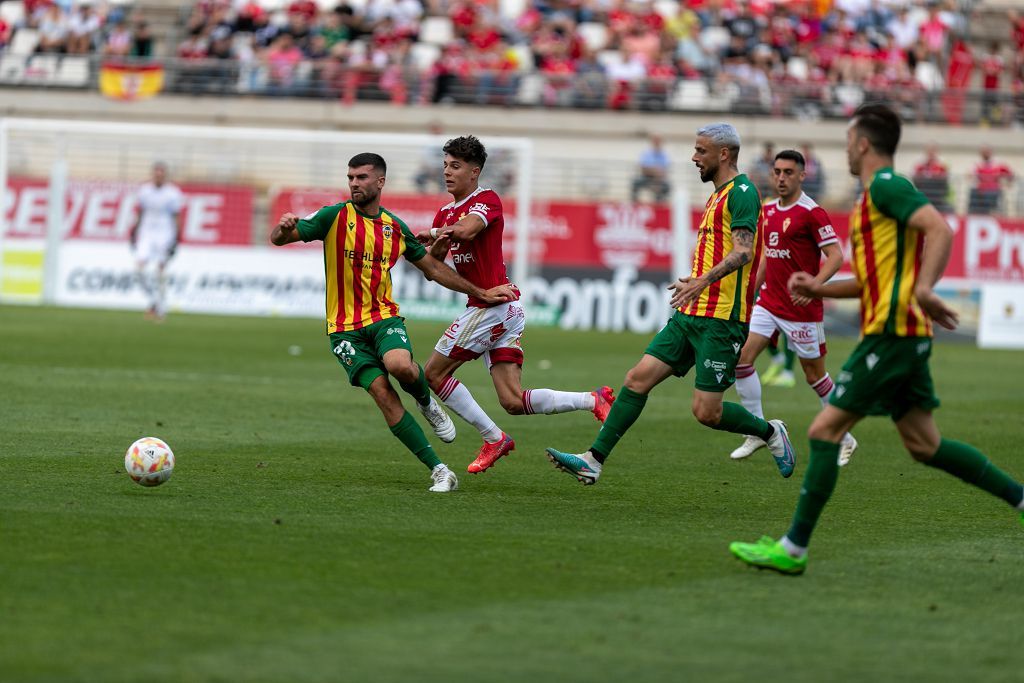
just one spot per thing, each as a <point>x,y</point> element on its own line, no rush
<point>362,242</point>
<point>901,245</point>
<point>779,372</point>
<point>471,227</point>
<point>155,236</point>
<point>796,233</point>
<point>709,326</point>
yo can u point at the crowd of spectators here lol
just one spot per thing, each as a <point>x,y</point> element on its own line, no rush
<point>760,56</point>
<point>82,28</point>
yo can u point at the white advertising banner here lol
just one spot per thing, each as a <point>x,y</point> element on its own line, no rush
<point>231,280</point>
<point>1001,323</point>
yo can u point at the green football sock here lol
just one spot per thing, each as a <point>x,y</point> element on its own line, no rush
<point>626,409</point>
<point>968,463</point>
<point>419,389</point>
<point>790,356</point>
<point>409,433</point>
<point>819,482</point>
<point>739,420</point>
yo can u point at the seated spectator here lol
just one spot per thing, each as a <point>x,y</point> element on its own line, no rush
<point>654,170</point>
<point>932,177</point>
<point>814,173</point>
<point>83,26</point>
<point>53,30</point>
<point>119,39</point>
<point>762,171</point>
<point>142,38</point>
<point>989,178</point>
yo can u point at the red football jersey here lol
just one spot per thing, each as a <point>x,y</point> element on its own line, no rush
<point>479,260</point>
<point>793,238</point>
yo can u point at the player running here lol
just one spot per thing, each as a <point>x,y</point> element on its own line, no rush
<point>471,227</point>
<point>796,233</point>
<point>709,326</point>
<point>362,242</point>
<point>155,236</point>
<point>901,244</point>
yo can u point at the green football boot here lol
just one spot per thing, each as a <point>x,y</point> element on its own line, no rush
<point>767,553</point>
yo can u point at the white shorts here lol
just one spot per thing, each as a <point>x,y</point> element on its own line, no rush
<point>806,339</point>
<point>153,248</point>
<point>493,333</point>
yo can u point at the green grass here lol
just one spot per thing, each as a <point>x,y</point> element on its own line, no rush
<point>296,540</point>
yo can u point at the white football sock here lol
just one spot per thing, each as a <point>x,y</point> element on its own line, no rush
<point>823,388</point>
<point>793,549</point>
<point>549,401</point>
<point>457,397</point>
<point>749,389</point>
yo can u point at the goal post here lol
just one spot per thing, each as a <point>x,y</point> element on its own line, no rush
<point>235,179</point>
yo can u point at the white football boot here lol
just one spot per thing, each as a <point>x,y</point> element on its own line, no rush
<point>747,448</point>
<point>445,480</point>
<point>846,449</point>
<point>439,420</point>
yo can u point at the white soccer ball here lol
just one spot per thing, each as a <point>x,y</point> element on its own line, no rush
<point>149,461</point>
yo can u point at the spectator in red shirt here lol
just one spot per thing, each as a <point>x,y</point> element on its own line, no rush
<point>932,177</point>
<point>992,67</point>
<point>304,8</point>
<point>989,178</point>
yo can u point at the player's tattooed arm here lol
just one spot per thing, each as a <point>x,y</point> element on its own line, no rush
<point>686,289</point>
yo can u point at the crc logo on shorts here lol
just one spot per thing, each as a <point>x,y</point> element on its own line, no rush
<point>346,352</point>
<point>802,335</point>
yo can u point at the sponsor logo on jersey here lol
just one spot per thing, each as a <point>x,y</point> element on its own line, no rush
<point>479,207</point>
<point>773,239</point>
<point>826,232</point>
<point>771,252</point>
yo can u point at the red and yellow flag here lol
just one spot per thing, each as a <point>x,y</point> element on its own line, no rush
<point>131,81</point>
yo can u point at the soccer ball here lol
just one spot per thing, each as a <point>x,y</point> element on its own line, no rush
<point>149,461</point>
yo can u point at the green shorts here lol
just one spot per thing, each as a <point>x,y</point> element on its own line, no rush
<point>711,344</point>
<point>361,352</point>
<point>886,375</point>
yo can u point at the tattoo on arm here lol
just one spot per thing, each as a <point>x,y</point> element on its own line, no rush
<point>735,259</point>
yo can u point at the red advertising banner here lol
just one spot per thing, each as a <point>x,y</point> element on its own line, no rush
<point>595,235</point>
<point>99,210</point>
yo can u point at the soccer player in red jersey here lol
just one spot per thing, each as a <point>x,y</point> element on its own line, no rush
<point>471,228</point>
<point>797,233</point>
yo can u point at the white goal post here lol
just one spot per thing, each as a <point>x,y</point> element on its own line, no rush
<point>45,159</point>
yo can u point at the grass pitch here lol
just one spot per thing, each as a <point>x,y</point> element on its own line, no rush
<point>297,541</point>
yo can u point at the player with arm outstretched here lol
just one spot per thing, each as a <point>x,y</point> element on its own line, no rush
<point>797,233</point>
<point>709,326</point>
<point>471,228</point>
<point>362,243</point>
<point>900,245</point>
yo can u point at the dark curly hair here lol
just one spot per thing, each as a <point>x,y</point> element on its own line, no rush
<point>468,149</point>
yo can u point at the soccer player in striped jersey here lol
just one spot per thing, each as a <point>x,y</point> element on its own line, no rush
<point>796,233</point>
<point>709,326</point>
<point>901,244</point>
<point>471,227</point>
<point>362,243</point>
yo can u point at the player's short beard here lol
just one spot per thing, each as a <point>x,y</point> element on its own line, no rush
<point>369,197</point>
<point>708,174</point>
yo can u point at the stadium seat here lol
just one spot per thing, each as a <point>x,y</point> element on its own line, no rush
<point>928,75</point>
<point>531,87</point>
<point>690,95</point>
<point>595,35</point>
<point>512,9</point>
<point>666,8</point>
<point>41,69</point>
<point>73,71</point>
<point>12,68</point>
<point>424,54</point>
<point>797,68</point>
<point>24,42</point>
<point>437,30</point>
<point>608,57</point>
<point>12,12</point>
